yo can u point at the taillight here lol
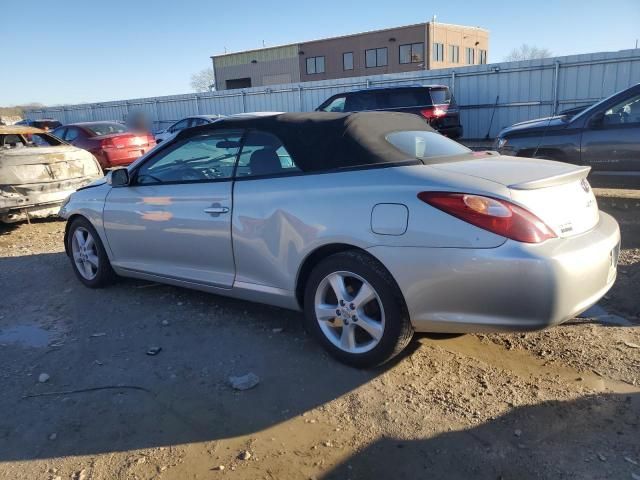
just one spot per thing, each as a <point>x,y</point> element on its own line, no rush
<point>107,143</point>
<point>116,142</point>
<point>432,113</point>
<point>498,216</point>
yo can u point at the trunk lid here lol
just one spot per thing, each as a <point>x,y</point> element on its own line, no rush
<point>126,140</point>
<point>45,164</point>
<point>557,193</point>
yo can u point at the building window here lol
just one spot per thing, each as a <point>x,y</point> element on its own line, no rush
<point>347,61</point>
<point>483,56</point>
<point>438,52</point>
<point>412,53</point>
<point>315,65</point>
<point>376,57</point>
<point>454,54</point>
<point>470,56</point>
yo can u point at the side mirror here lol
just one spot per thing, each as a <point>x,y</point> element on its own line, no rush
<point>120,177</point>
<point>597,120</point>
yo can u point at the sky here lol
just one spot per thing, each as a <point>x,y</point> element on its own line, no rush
<point>78,51</point>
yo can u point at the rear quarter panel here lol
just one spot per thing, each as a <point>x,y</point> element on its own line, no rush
<point>278,222</point>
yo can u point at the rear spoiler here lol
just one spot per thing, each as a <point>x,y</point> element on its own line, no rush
<point>577,173</point>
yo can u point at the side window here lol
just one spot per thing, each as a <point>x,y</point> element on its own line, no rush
<point>11,140</point>
<point>263,154</point>
<point>361,101</point>
<point>406,97</point>
<point>624,113</point>
<point>198,121</point>
<point>202,158</point>
<point>336,105</point>
<point>71,134</point>
<point>181,125</point>
<point>59,132</point>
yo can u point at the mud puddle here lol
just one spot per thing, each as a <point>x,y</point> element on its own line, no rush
<point>524,364</point>
<point>26,336</point>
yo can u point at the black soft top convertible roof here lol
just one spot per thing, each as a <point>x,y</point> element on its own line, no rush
<point>320,141</point>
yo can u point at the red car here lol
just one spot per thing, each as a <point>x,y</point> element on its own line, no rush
<point>112,143</point>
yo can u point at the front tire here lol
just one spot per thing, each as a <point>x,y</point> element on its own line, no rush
<point>88,257</point>
<point>355,310</point>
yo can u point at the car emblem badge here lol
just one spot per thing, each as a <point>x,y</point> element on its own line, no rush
<point>585,185</point>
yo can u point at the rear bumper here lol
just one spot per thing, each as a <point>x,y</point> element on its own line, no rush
<point>38,200</point>
<point>515,286</point>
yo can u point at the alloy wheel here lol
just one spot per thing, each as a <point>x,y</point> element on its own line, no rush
<point>85,253</point>
<point>349,312</point>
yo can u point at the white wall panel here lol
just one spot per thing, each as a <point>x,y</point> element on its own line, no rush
<point>526,90</point>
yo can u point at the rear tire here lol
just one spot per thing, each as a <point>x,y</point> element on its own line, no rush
<point>355,309</point>
<point>88,257</point>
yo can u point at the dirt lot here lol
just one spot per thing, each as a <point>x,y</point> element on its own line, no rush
<point>562,403</point>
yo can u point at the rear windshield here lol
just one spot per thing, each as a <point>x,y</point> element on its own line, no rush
<point>106,128</point>
<point>11,141</point>
<point>441,96</point>
<point>424,144</point>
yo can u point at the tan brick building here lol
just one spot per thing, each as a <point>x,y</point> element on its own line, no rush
<point>423,46</point>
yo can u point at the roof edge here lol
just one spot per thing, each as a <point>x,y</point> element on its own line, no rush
<point>348,36</point>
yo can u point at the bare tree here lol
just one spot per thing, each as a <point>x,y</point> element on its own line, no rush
<point>527,52</point>
<point>203,81</point>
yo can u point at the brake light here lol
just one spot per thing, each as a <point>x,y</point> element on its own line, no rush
<point>498,216</point>
<point>107,143</point>
<point>116,142</point>
<point>432,113</point>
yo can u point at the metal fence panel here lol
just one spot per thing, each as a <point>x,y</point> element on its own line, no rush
<point>509,92</point>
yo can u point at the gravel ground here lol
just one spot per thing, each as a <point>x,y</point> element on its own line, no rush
<point>561,403</point>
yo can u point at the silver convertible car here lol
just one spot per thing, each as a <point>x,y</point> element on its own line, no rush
<point>372,223</point>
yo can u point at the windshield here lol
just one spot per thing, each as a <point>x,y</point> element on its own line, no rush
<point>424,144</point>
<point>106,128</point>
<point>587,111</point>
<point>12,140</point>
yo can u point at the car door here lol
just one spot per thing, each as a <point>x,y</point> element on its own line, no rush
<point>611,138</point>
<point>264,232</point>
<point>174,219</point>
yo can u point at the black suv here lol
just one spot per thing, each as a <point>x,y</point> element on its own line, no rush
<point>432,102</point>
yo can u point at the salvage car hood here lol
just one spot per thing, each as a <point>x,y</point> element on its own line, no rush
<point>27,165</point>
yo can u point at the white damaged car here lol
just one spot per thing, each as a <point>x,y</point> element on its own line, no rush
<point>38,172</point>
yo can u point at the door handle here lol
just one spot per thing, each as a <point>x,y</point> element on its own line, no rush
<point>217,210</point>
